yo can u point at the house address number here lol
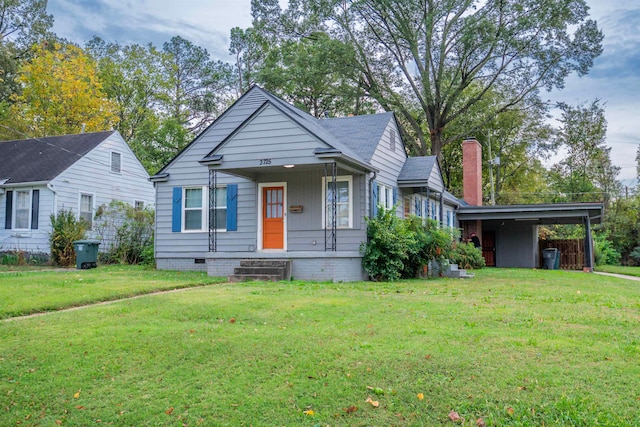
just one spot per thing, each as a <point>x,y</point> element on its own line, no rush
<point>264,162</point>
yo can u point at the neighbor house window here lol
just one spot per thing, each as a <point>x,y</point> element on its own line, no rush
<point>86,209</point>
<point>116,162</point>
<point>193,209</point>
<point>344,203</point>
<point>219,214</point>
<point>139,205</point>
<point>23,209</point>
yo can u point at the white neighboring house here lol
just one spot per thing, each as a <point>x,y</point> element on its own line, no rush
<point>41,176</point>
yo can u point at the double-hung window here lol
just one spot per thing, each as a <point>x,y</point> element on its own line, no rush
<point>219,212</point>
<point>86,209</point>
<point>385,196</point>
<point>193,209</point>
<point>343,202</point>
<point>23,209</point>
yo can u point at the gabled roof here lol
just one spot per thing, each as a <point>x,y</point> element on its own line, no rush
<point>312,124</point>
<point>417,169</point>
<point>306,121</point>
<point>42,159</point>
<point>361,133</point>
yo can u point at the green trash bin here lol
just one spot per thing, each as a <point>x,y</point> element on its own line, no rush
<point>86,253</point>
<point>549,257</point>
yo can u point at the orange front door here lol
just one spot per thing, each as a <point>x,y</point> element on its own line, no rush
<point>273,217</point>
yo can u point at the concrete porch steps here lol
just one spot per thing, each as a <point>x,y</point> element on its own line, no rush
<point>453,271</point>
<point>265,270</point>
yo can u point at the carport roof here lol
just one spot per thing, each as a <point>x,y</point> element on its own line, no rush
<point>553,213</point>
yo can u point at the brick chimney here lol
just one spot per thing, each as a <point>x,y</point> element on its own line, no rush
<point>472,172</point>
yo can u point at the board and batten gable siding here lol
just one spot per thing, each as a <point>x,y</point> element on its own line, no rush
<point>32,240</point>
<point>389,162</point>
<point>92,175</point>
<point>270,136</point>
<point>185,171</point>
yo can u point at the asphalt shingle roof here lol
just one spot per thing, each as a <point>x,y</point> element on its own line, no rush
<point>417,168</point>
<point>42,159</point>
<point>360,133</point>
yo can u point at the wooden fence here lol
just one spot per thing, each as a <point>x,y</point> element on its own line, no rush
<point>571,252</point>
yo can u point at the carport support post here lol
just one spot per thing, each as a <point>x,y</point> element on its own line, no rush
<point>588,245</point>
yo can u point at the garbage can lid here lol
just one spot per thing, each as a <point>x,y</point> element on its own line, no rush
<point>87,242</point>
<point>550,250</point>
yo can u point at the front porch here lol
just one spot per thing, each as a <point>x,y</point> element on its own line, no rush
<point>336,266</point>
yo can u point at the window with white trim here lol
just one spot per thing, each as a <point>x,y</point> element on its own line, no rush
<point>344,201</point>
<point>22,209</point>
<point>220,193</point>
<point>116,162</point>
<point>385,196</point>
<point>193,208</point>
<point>138,205</point>
<point>86,209</point>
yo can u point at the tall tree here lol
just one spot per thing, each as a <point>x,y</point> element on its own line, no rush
<point>586,173</point>
<point>131,77</point>
<point>61,94</point>
<point>444,56</point>
<point>196,89</point>
<point>316,74</point>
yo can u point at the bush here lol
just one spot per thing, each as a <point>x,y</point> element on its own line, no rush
<point>635,255</point>
<point>400,248</point>
<point>604,252</point>
<point>466,255</point>
<point>127,232</point>
<point>389,242</point>
<point>65,229</point>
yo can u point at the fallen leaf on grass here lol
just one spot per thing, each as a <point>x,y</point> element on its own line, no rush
<point>76,395</point>
<point>454,416</point>
<point>480,422</point>
<point>309,412</point>
<point>351,409</point>
<point>79,407</point>
<point>59,422</point>
<point>428,356</point>
<point>373,403</point>
<point>232,320</point>
<point>169,411</point>
<point>510,410</point>
<point>420,396</point>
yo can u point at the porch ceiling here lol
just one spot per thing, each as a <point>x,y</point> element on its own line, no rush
<point>557,213</point>
<point>253,172</point>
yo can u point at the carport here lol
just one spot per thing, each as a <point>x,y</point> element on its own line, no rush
<point>509,233</point>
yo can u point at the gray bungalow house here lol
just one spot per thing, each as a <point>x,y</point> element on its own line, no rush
<point>267,181</point>
<point>41,176</point>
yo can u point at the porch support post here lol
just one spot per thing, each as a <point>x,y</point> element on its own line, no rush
<point>213,231</point>
<point>330,235</point>
<point>588,245</point>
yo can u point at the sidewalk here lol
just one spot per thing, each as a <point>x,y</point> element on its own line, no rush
<point>620,276</point>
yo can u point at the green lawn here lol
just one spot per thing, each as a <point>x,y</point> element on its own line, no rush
<point>629,271</point>
<point>513,347</point>
<point>24,292</point>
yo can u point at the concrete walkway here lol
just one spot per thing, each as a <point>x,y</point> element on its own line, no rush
<point>620,276</point>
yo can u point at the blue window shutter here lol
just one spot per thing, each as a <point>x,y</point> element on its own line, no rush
<point>176,219</point>
<point>8,210</point>
<point>418,206</point>
<point>374,199</point>
<point>35,208</point>
<point>232,207</point>
<point>395,196</point>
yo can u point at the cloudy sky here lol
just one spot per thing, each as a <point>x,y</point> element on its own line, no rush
<point>614,79</point>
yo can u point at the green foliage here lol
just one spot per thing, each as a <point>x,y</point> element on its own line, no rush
<point>635,255</point>
<point>604,251</point>
<point>399,248</point>
<point>466,255</point>
<point>65,229</point>
<point>127,231</point>
<point>622,225</point>
<point>389,243</point>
